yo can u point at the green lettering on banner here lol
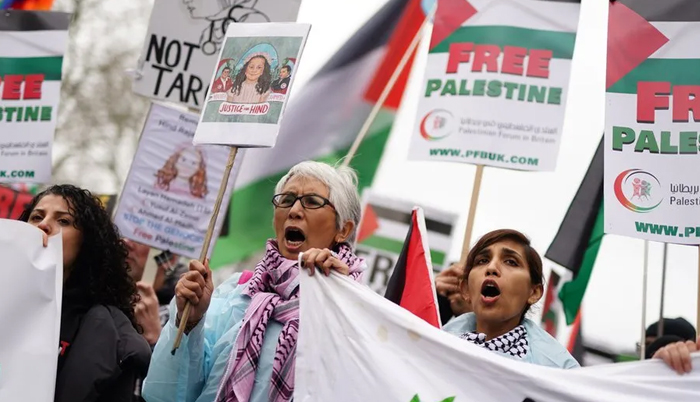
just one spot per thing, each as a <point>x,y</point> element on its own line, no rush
<point>688,142</point>
<point>536,93</point>
<point>554,96</point>
<point>647,142</point>
<point>622,136</point>
<point>416,398</point>
<point>494,88</point>
<point>479,87</point>
<point>46,113</point>
<point>666,147</point>
<point>463,88</point>
<point>450,88</point>
<point>433,85</point>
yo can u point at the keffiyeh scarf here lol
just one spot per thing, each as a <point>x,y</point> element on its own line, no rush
<point>274,292</point>
<point>512,343</point>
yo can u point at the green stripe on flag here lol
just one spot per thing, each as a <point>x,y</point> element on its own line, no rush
<point>572,292</point>
<point>395,246</point>
<point>258,221</point>
<point>675,71</point>
<point>49,66</point>
<point>560,43</point>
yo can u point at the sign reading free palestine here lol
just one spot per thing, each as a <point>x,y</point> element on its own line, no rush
<point>652,187</point>
<point>496,82</point>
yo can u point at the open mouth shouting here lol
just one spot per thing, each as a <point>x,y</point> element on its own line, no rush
<point>294,238</point>
<point>490,292</point>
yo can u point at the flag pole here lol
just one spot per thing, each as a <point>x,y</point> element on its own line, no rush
<point>472,212</point>
<point>660,331</point>
<point>387,89</point>
<point>642,344</point>
<point>207,240</point>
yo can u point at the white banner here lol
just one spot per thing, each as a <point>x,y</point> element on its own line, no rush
<point>169,195</point>
<point>184,39</point>
<point>251,84</point>
<point>354,345</point>
<point>30,312</point>
<point>383,230</point>
<point>31,59</point>
<point>496,83</point>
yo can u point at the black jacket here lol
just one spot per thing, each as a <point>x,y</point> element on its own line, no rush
<point>101,354</point>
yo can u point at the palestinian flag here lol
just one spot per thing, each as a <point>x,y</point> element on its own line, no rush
<point>323,120</point>
<point>412,285</point>
<point>32,44</point>
<point>580,234</point>
<point>550,314</point>
<point>382,232</point>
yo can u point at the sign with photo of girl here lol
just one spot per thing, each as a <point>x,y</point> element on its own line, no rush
<point>251,83</point>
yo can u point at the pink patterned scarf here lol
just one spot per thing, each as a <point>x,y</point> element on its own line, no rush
<point>274,290</point>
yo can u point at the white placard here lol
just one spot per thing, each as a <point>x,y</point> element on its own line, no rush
<point>184,39</point>
<point>496,83</point>
<point>32,45</point>
<point>260,61</point>
<point>30,312</point>
<point>169,195</point>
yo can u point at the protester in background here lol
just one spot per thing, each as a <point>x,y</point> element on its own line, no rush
<point>676,327</point>
<point>502,279</point>
<point>101,353</point>
<point>243,349</point>
<point>677,354</point>
<point>169,270</point>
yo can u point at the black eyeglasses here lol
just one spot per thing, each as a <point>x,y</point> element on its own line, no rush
<point>308,201</point>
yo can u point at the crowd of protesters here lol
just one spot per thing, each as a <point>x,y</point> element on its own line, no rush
<point>117,331</point>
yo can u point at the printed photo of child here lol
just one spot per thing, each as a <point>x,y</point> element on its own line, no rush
<point>252,83</point>
<point>184,173</point>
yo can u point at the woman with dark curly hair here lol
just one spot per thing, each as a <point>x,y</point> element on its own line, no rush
<point>101,353</point>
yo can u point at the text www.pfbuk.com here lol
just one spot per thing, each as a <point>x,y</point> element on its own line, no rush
<point>517,160</point>
<point>17,173</point>
<point>652,228</point>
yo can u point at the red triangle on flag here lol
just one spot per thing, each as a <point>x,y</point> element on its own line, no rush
<point>631,40</point>
<point>369,224</point>
<point>449,16</point>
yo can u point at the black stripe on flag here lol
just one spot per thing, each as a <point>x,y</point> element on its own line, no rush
<point>397,281</point>
<point>374,34</point>
<point>570,243</point>
<point>403,217</point>
<point>665,10</point>
<point>18,20</point>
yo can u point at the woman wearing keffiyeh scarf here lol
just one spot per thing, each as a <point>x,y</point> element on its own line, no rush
<point>240,342</point>
<point>502,279</point>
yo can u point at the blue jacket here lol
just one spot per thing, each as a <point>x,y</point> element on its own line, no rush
<point>194,373</point>
<point>543,349</point>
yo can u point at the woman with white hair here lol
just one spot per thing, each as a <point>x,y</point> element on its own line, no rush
<point>240,339</point>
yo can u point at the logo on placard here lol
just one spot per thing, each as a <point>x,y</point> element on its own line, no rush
<point>638,190</point>
<point>436,125</point>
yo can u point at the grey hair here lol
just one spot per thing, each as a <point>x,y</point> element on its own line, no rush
<point>342,190</point>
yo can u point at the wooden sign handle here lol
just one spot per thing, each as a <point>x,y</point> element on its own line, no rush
<point>472,212</point>
<point>207,240</point>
